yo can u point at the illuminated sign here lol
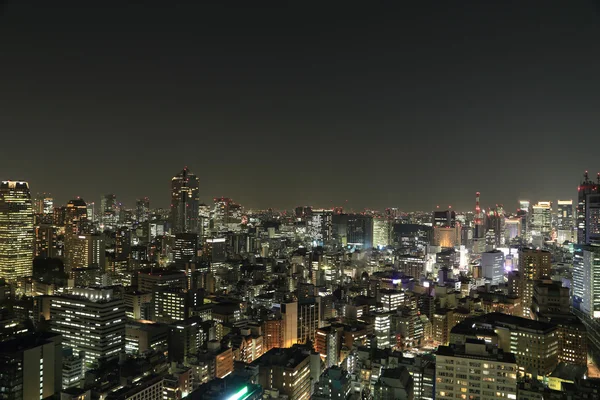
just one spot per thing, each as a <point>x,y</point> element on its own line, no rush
<point>239,394</point>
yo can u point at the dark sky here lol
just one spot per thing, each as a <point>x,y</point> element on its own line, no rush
<point>279,104</point>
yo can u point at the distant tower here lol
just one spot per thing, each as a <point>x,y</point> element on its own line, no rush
<point>16,230</point>
<point>585,193</point>
<point>184,202</point>
<point>479,228</point>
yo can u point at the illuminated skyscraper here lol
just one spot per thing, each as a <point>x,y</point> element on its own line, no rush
<point>16,230</point>
<point>541,219</point>
<point>109,209</point>
<point>533,265</point>
<point>565,222</point>
<point>585,189</point>
<point>523,213</point>
<point>184,202</point>
<point>142,209</point>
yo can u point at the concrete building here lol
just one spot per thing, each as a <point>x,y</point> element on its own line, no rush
<point>394,384</point>
<point>288,370</point>
<point>492,266</point>
<point>16,230</point>
<point>535,344</point>
<point>475,370</point>
<point>90,320</point>
<point>533,265</point>
<point>31,366</point>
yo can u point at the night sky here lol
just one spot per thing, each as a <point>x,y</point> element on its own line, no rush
<point>371,104</point>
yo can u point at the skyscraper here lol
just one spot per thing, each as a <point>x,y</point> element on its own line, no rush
<point>16,230</point>
<point>184,202</point>
<point>142,209</point>
<point>90,320</point>
<point>586,188</point>
<point>541,219</point>
<point>533,265</point>
<point>565,222</point>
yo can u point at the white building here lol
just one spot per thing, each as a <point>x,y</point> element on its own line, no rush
<point>475,371</point>
<point>93,322</point>
<point>492,266</point>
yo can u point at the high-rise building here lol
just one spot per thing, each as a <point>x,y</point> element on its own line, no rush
<point>16,230</point>
<point>142,209</point>
<point>184,202</point>
<point>475,370</point>
<point>109,210</point>
<point>43,204</point>
<point>90,320</point>
<point>27,360</point>
<point>85,251</point>
<point>565,221</point>
<point>586,280</point>
<point>541,219</point>
<point>76,217</point>
<point>492,266</point>
<point>320,226</point>
<point>289,314</point>
<point>533,265</point>
<point>46,241</point>
<point>382,232</point>
<point>586,188</point>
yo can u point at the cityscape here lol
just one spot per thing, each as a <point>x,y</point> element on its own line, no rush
<point>216,301</point>
<point>285,200</point>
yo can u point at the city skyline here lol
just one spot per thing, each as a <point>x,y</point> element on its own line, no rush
<point>346,205</point>
<point>402,106</point>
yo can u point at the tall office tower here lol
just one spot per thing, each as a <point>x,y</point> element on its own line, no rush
<point>586,293</point>
<point>85,251</point>
<point>90,320</point>
<point>309,319</point>
<point>541,219</point>
<point>184,202</point>
<point>565,223</point>
<point>226,211</point>
<point>383,323</point>
<point>16,230</point>
<point>109,209</point>
<point>288,370</point>
<point>203,220</point>
<point>492,266</point>
<point>76,220</point>
<point>513,229</point>
<point>495,225</point>
<point>586,188</point>
<point>381,232</point>
<point>478,228</point>
<point>43,203</point>
<point>523,213</point>
<point>27,360</point>
<point>46,241</point>
<point>320,226</point>
<point>444,218</point>
<point>91,212</point>
<point>592,218</point>
<point>480,365</point>
<point>533,265</point>
<point>586,280</point>
<point>142,209</point>
<point>353,230</point>
<point>289,315</point>
<point>360,231</point>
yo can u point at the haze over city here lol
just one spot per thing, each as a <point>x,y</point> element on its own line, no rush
<point>396,105</point>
